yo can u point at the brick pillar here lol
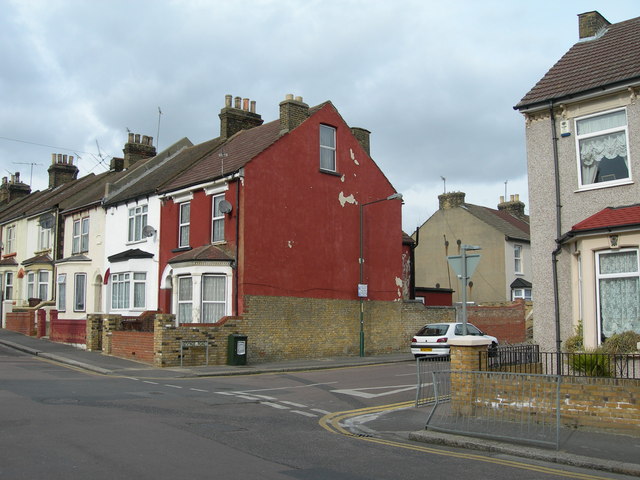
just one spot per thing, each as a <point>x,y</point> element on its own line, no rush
<point>110,323</point>
<point>164,350</point>
<point>465,354</point>
<point>94,332</point>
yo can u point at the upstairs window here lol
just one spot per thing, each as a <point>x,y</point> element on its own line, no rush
<point>10,246</point>
<point>137,221</point>
<point>602,149</point>
<point>517,258</point>
<point>327,148</point>
<point>183,224</point>
<point>80,241</point>
<point>44,238</point>
<point>217,222</point>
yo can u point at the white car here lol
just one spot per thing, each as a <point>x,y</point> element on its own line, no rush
<point>433,339</point>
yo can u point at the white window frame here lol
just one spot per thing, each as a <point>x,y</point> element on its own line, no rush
<point>188,302</point>
<point>44,238</point>
<point>10,243</point>
<point>137,221</point>
<point>80,292</point>
<point>222,302</point>
<point>517,258</point>
<point>184,224</point>
<point>327,149</point>
<point>61,298</point>
<point>217,218</point>
<point>604,276</point>
<point>31,285</point>
<point>582,185</point>
<point>80,236</point>
<point>123,290</point>
<point>523,293</point>
<point>8,285</point>
<point>43,285</point>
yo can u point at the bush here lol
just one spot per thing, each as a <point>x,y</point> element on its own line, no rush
<point>575,343</point>
<point>620,343</point>
<point>595,363</point>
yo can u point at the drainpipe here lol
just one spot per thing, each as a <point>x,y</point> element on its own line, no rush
<point>556,252</point>
<point>235,277</point>
<point>412,260</point>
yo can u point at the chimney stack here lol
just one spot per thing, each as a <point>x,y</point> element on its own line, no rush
<point>590,24</point>
<point>62,170</point>
<point>293,111</point>
<point>242,116</point>
<point>13,189</point>
<point>514,206</point>
<point>451,200</point>
<point>362,135</point>
<point>137,148</point>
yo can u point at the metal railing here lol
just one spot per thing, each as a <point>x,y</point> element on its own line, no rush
<point>425,367</point>
<point>528,359</point>
<point>497,405</point>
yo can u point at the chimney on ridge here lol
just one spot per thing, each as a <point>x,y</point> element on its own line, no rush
<point>590,24</point>
<point>514,206</point>
<point>293,111</point>
<point>451,200</point>
<point>137,148</point>
<point>241,116</point>
<point>62,170</point>
<point>12,189</point>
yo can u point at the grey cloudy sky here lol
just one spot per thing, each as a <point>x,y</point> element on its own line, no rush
<point>434,81</point>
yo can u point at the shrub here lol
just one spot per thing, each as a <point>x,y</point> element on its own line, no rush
<point>595,363</point>
<point>575,343</point>
<point>625,342</point>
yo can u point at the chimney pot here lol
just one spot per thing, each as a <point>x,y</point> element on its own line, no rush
<point>4,179</point>
<point>298,99</point>
<point>59,158</point>
<point>236,102</point>
<point>227,101</point>
<point>253,106</point>
<point>289,96</point>
<point>245,104</point>
<point>64,159</point>
<point>137,138</point>
<point>131,137</point>
<point>53,158</point>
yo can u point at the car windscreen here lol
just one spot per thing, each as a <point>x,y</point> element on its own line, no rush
<point>433,330</point>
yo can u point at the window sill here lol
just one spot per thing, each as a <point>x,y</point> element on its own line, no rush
<point>134,242</point>
<point>598,186</point>
<point>181,249</point>
<point>331,172</point>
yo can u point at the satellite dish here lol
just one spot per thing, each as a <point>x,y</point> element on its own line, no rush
<point>148,231</point>
<point>224,206</point>
<point>46,220</point>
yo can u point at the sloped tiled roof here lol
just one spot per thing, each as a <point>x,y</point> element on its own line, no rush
<point>226,157</point>
<point>501,220</point>
<point>591,64</point>
<point>203,253</point>
<point>610,217</point>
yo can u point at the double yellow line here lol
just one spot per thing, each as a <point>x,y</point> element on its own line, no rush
<point>333,423</point>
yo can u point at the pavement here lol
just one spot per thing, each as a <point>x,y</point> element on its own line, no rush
<point>607,452</point>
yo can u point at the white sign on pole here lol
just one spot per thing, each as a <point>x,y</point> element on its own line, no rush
<point>456,263</point>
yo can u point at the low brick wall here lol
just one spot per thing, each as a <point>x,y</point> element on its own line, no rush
<point>67,331</point>
<point>22,322</point>
<point>506,321</point>
<point>133,345</point>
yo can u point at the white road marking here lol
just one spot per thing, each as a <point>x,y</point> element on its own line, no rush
<point>293,404</point>
<point>226,393</point>
<point>275,405</point>
<point>199,390</point>
<point>247,397</point>
<point>172,386</point>
<point>359,392</point>
<point>306,414</point>
<point>152,383</point>
<point>286,388</point>
<point>319,410</point>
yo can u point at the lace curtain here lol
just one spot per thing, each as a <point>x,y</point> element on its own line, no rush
<point>593,150</point>
<point>185,296</point>
<point>619,297</point>
<point>213,298</point>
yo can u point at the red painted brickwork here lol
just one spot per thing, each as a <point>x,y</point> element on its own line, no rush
<point>505,322</point>
<point>41,324</point>
<point>133,345</point>
<point>22,322</point>
<point>67,331</point>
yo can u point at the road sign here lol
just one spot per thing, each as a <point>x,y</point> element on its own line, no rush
<point>456,263</point>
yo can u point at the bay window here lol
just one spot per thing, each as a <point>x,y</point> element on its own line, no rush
<point>185,299</point>
<point>62,292</point>
<point>80,292</point>
<point>213,298</point>
<point>618,283</point>
<point>43,285</point>
<point>126,286</point>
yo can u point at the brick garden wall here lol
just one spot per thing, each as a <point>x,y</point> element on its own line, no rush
<point>67,331</point>
<point>133,345</point>
<point>22,322</point>
<point>504,321</point>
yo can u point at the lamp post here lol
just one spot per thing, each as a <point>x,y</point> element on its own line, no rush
<point>362,288</point>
